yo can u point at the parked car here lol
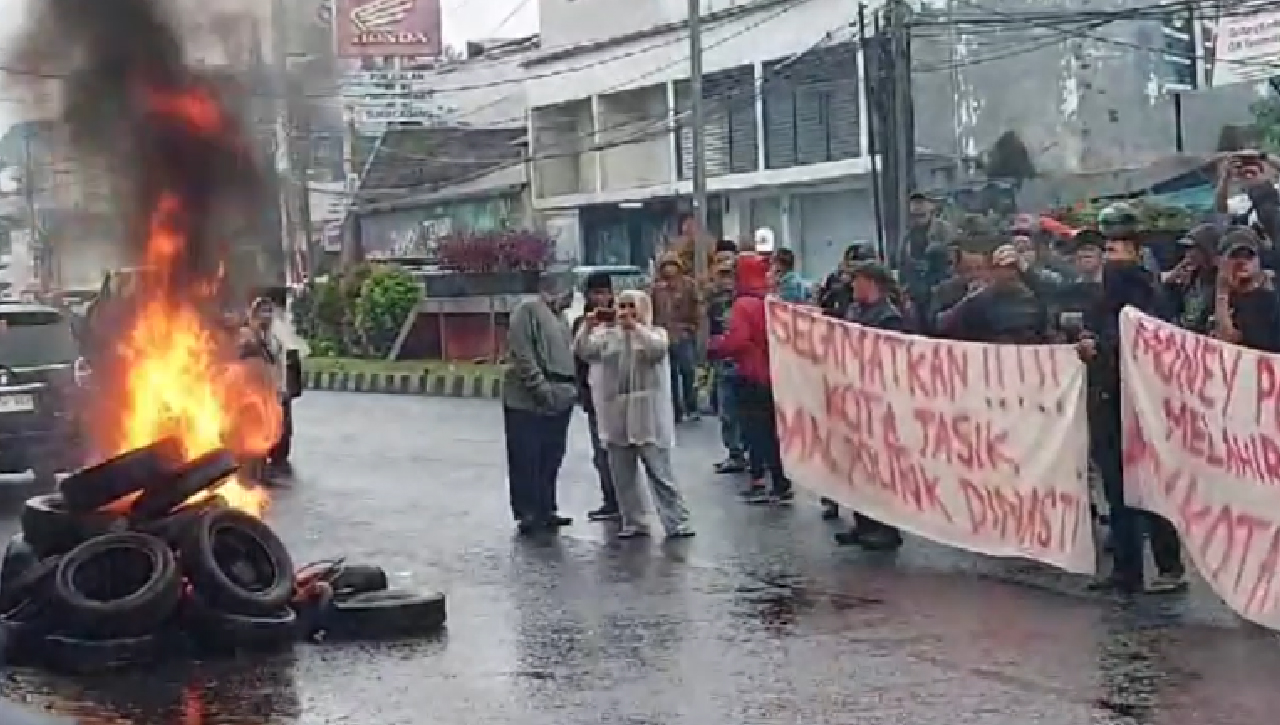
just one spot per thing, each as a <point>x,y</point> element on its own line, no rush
<point>42,375</point>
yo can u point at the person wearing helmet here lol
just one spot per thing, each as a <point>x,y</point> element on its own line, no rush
<point>1120,222</point>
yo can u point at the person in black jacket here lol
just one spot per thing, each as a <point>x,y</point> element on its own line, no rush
<point>1246,310</point>
<point>872,307</point>
<point>1003,309</point>
<point>598,290</point>
<point>1188,288</point>
<point>1125,282</point>
<point>835,294</point>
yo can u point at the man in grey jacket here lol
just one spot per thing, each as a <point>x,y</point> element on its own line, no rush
<point>539,391</point>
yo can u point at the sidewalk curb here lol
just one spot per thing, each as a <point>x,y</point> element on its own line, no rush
<point>437,385</point>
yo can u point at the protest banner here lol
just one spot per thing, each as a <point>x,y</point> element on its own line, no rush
<point>1202,449</point>
<point>981,447</point>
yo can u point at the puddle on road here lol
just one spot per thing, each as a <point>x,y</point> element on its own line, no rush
<point>226,693</point>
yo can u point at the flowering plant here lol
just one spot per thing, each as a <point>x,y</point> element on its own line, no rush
<point>505,251</point>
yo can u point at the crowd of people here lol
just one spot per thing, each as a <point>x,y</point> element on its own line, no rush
<point>631,362</point>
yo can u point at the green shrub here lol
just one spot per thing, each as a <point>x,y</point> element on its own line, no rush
<point>357,313</point>
<point>387,297</point>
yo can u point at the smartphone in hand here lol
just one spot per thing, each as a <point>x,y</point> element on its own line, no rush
<point>605,315</point>
<point>1071,322</point>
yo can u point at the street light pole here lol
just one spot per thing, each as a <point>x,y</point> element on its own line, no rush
<point>698,146</point>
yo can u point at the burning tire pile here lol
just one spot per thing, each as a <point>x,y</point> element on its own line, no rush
<point>138,559</point>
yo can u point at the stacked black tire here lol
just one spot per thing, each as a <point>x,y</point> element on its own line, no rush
<point>118,569</point>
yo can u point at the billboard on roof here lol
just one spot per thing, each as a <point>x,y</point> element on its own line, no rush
<point>387,28</point>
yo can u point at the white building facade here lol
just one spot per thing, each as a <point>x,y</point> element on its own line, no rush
<point>785,124</point>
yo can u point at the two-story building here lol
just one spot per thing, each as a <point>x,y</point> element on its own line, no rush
<point>784,125</point>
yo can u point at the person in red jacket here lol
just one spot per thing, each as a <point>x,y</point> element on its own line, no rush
<point>746,343</point>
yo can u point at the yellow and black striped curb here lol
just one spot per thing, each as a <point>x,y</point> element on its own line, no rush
<point>435,384</point>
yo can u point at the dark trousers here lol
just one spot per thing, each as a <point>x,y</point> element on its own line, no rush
<point>1127,523</point>
<point>684,373</point>
<point>535,449</point>
<point>279,453</point>
<point>758,419</point>
<point>600,459</point>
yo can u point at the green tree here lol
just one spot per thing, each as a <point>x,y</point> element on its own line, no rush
<point>1266,130</point>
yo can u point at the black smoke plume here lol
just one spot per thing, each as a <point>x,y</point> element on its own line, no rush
<point>133,104</point>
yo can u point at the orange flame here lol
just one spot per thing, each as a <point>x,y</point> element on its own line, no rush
<point>180,375</point>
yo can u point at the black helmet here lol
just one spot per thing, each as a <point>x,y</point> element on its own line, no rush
<point>1118,221</point>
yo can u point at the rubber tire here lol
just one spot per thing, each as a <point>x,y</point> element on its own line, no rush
<point>213,585</point>
<point>44,476</point>
<point>173,527</point>
<point>162,497</point>
<point>140,613</point>
<point>73,655</point>
<point>19,557</point>
<point>359,579</point>
<point>33,586</point>
<point>92,488</point>
<point>214,630</point>
<point>386,614</point>
<point>51,529</point>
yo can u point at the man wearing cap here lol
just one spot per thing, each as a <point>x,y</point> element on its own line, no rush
<point>1188,288</point>
<point>1246,311</point>
<point>872,308</point>
<point>972,272</point>
<point>835,294</point>
<point>598,291</point>
<point>1003,311</point>
<point>1079,295</point>
<point>924,257</point>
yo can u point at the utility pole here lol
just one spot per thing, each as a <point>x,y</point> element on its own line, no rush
<point>300,161</point>
<point>872,150</point>
<point>352,246</point>
<point>903,136</point>
<point>700,250</point>
<point>36,243</point>
<point>283,135</point>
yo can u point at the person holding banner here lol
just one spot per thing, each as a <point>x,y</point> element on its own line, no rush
<point>873,308</point>
<point>746,343</point>
<point>1125,282</point>
<point>634,409</point>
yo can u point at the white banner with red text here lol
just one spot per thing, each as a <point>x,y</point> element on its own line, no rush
<point>981,447</point>
<point>1201,421</point>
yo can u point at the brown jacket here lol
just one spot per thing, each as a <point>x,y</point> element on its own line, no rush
<point>676,303</point>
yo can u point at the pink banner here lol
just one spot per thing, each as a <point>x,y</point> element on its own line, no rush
<point>387,28</point>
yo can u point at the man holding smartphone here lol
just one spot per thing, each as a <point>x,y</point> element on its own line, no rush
<point>598,291</point>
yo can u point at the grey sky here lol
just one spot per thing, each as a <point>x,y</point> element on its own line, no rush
<point>463,20</point>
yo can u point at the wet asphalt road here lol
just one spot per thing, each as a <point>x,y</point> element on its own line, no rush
<point>758,620</point>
